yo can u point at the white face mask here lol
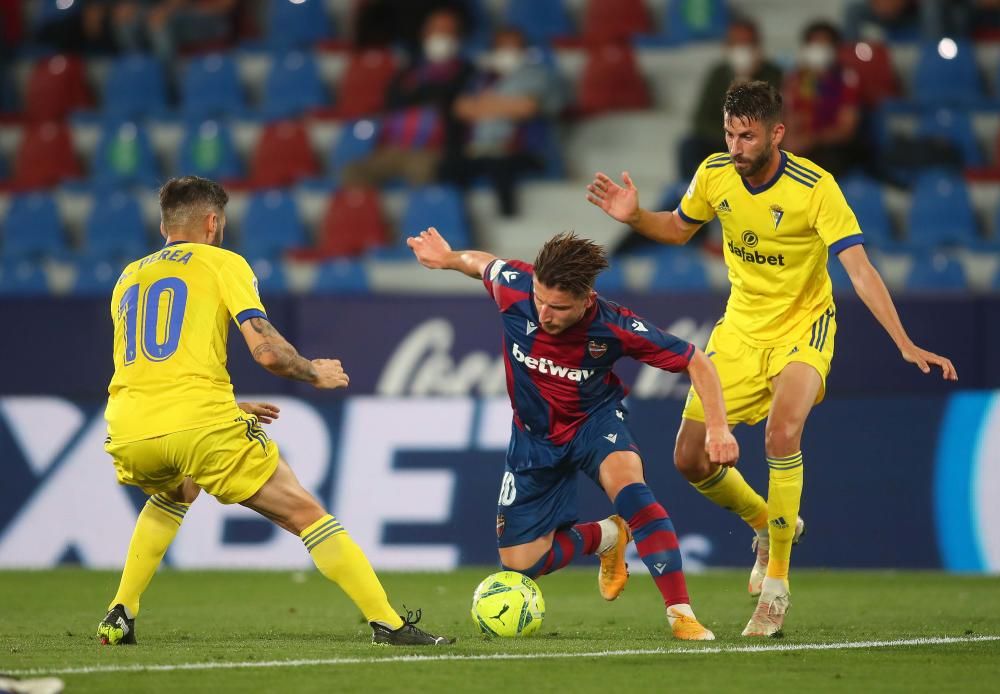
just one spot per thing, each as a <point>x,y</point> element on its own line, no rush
<point>817,56</point>
<point>507,60</point>
<point>440,47</point>
<point>742,59</point>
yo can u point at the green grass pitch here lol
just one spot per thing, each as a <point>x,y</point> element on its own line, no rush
<point>224,632</point>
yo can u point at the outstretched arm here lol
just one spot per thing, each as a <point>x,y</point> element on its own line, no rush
<point>434,252</point>
<point>719,440</point>
<point>869,286</point>
<point>622,203</point>
<point>276,354</point>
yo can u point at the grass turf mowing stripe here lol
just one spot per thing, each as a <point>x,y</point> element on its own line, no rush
<point>771,648</point>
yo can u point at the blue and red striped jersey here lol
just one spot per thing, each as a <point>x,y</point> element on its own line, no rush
<point>556,381</point>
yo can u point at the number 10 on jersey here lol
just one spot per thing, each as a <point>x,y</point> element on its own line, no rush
<point>168,293</point>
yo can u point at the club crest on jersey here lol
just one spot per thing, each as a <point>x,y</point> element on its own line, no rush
<point>596,349</point>
<point>776,214</point>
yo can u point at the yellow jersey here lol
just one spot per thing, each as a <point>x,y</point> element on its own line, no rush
<point>777,238</point>
<point>171,312</point>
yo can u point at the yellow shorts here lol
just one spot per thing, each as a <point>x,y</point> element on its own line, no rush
<point>231,461</point>
<point>746,371</point>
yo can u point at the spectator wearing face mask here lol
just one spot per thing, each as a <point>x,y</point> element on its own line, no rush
<point>822,103</point>
<point>743,61</point>
<point>504,113</point>
<point>417,126</point>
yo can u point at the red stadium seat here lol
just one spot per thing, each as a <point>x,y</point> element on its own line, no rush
<point>604,20</point>
<point>283,156</point>
<point>352,225</point>
<point>873,65</point>
<point>45,157</point>
<point>362,89</point>
<point>56,87</point>
<point>611,81</point>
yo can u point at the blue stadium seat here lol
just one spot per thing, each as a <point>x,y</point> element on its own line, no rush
<point>864,195</point>
<point>613,280</point>
<point>32,228</point>
<point>210,87</point>
<point>271,225</point>
<point>293,86</point>
<point>542,139</point>
<point>679,272</point>
<point>271,278</point>
<point>946,74</point>
<point>955,127</point>
<point>540,20</point>
<point>135,86</point>
<point>291,24</point>
<point>96,277</point>
<point>356,141</point>
<point>22,278</point>
<point>207,150</point>
<point>125,157</point>
<point>440,207</point>
<point>115,229</point>
<point>341,277</point>
<point>689,20</point>
<point>936,272</point>
<point>941,213</point>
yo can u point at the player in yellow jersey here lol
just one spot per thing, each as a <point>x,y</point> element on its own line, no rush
<point>174,427</point>
<point>781,216</point>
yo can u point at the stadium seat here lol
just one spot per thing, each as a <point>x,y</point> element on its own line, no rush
<point>605,21</point>
<point>45,157</point>
<point>341,277</point>
<point>270,274</point>
<point>864,195</point>
<point>210,88</point>
<point>935,272</point>
<point>292,87</point>
<point>271,225</point>
<point>96,277</point>
<point>679,272</point>
<point>352,225</point>
<point>115,229</point>
<point>611,81</point>
<point>613,280</point>
<point>361,91</point>
<point>941,78</point>
<point>541,21</point>
<point>56,87</point>
<point>540,137</point>
<point>941,213</point>
<point>125,157</point>
<point>32,228</point>
<point>283,156</point>
<point>297,24</point>
<point>22,278</point>
<point>135,87</point>
<point>954,127</point>
<point>207,150</point>
<point>688,20</point>
<point>440,207</point>
<point>873,65</point>
<point>356,141</point>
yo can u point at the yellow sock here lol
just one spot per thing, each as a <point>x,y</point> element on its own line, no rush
<point>339,558</point>
<point>728,489</point>
<point>154,531</point>
<point>784,491</point>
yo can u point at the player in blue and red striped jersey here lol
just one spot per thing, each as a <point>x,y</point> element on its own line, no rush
<point>560,341</point>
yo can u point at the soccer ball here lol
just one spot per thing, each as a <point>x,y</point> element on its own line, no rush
<point>508,604</point>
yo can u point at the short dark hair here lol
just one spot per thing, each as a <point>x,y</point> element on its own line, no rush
<point>757,100</point>
<point>746,23</point>
<point>570,263</point>
<point>821,27</point>
<point>179,197</point>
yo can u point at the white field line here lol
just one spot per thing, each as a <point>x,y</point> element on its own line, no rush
<point>707,650</point>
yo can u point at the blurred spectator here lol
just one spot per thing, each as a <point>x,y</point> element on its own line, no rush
<point>398,22</point>
<point>418,126</point>
<point>75,27</point>
<point>821,103</point>
<point>506,113</point>
<point>743,60</point>
<point>167,26</point>
<point>883,20</point>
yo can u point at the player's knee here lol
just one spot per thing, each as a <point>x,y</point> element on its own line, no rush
<point>783,438</point>
<point>690,461</point>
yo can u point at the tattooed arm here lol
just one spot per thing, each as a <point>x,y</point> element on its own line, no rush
<point>274,353</point>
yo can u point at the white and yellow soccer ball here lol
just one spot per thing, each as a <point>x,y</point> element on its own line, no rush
<point>508,604</point>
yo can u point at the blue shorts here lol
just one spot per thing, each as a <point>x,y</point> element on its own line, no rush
<point>538,491</point>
